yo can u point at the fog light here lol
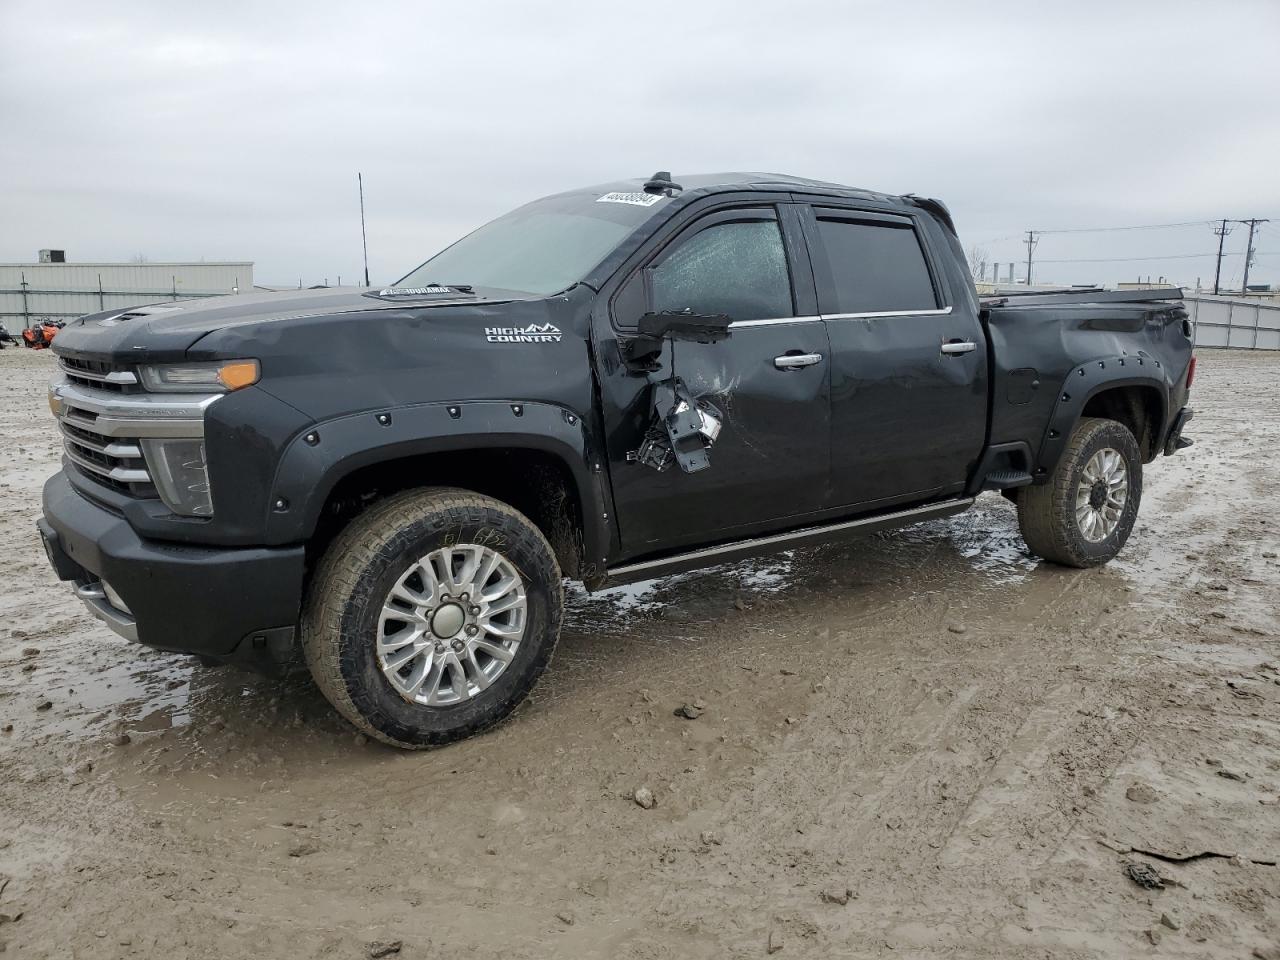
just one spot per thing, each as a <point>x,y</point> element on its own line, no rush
<point>180,475</point>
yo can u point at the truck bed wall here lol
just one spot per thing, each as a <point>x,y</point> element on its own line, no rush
<point>1038,353</point>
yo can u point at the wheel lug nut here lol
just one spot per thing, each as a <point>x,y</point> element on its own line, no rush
<point>475,611</point>
<point>439,646</point>
<point>457,646</point>
<point>465,597</point>
<point>472,629</point>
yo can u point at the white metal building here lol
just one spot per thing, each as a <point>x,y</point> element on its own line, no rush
<point>31,291</point>
<point>1234,321</point>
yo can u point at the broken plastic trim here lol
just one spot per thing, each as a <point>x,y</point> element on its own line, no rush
<point>682,430</point>
<point>652,329</point>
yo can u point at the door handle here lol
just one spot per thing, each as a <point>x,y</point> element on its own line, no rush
<point>794,361</point>
<point>954,347</point>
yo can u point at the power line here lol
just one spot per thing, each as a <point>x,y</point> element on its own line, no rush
<point>1140,226</point>
<point>1031,240</point>
<point>1172,256</point>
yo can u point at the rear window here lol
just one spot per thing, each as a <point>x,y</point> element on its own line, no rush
<point>876,266</point>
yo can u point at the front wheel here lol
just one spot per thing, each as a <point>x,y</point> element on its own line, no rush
<point>432,615</point>
<point>1084,514</point>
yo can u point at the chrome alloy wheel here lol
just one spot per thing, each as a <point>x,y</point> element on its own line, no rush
<point>451,625</point>
<point>1101,495</point>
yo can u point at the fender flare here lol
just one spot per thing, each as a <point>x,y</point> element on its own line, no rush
<point>320,456</point>
<point>1084,383</point>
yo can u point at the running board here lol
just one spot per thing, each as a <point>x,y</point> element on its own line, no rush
<point>741,549</point>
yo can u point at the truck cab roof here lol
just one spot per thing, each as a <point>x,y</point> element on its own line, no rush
<point>705,184</point>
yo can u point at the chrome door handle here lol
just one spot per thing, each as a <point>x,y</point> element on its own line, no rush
<point>953,347</point>
<point>793,361</point>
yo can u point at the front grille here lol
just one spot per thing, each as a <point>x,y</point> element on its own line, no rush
<point>107,420</point>
<point>116,462</point>
<point>99,375</point>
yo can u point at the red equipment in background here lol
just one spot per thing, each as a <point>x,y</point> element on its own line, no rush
<point>40,334</point>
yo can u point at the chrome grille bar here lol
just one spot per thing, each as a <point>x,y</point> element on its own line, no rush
<point>102,428</point>
<point>81,437</point>
<point>132,415</point>
<point>118,474</point>
<point>85,373</point>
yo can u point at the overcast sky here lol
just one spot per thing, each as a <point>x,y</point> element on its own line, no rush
<point>234,130</point>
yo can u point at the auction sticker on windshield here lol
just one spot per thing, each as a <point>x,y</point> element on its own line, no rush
<point>635,199</point>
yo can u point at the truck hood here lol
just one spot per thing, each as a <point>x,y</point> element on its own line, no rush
<point>166,330</point>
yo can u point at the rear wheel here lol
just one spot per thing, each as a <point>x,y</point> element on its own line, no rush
<point>432,616</point>
<point>1084,514</point>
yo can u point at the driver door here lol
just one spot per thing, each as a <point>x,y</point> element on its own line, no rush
<point>769,382</point>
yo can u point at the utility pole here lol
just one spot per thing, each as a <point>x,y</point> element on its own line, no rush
<point>364,240</point>
<point>1031,241</point>
<point>1248,252</point>
<point>1221,233</point>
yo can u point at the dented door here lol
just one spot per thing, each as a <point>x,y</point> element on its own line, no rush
<point>767,384</point>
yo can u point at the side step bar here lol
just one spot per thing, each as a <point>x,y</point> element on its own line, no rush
<point>741,549</point>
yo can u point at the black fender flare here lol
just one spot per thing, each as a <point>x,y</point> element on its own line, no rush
<point>317,458</point>
<point>1084,383</point>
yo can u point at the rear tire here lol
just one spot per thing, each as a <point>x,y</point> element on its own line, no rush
<point>1085,513</point>
<point>431,616</point>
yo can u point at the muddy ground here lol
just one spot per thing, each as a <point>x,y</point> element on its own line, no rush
<point>926,744</point>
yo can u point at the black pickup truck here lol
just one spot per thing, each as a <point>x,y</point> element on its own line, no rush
<point>607,385</point>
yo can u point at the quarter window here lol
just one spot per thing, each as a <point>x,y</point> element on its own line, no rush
<point>875,267</point>
<point>737,268</point>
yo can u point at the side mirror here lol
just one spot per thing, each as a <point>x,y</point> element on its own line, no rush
<point>641,352</point>
<point>694,327</point>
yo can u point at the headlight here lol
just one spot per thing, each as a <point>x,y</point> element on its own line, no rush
<point>219,376</point>
<point>180,475</point>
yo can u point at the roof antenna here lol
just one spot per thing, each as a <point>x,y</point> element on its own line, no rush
<point>662,183</point>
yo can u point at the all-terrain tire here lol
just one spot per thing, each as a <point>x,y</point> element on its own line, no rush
<point>1047,512</point>
<point>340,623</point>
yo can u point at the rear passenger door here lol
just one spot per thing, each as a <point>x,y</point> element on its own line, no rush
<point>908,360</point>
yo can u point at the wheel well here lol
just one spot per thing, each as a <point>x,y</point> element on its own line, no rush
<point>1138,408</point>
<point>536,483</point>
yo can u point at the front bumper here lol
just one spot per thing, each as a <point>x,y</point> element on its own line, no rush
<point>225,603</point>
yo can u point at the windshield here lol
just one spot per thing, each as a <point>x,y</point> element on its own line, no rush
<point>541,248</point>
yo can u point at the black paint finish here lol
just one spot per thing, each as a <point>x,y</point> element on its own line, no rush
<point>882,420</point>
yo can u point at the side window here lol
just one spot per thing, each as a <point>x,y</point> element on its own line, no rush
<point>875,266</point>
<point>737,268</point>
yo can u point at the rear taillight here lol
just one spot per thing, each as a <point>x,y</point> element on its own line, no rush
<point>1191,371</point>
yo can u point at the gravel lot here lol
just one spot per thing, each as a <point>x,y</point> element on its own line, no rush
<point>925,744</point>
